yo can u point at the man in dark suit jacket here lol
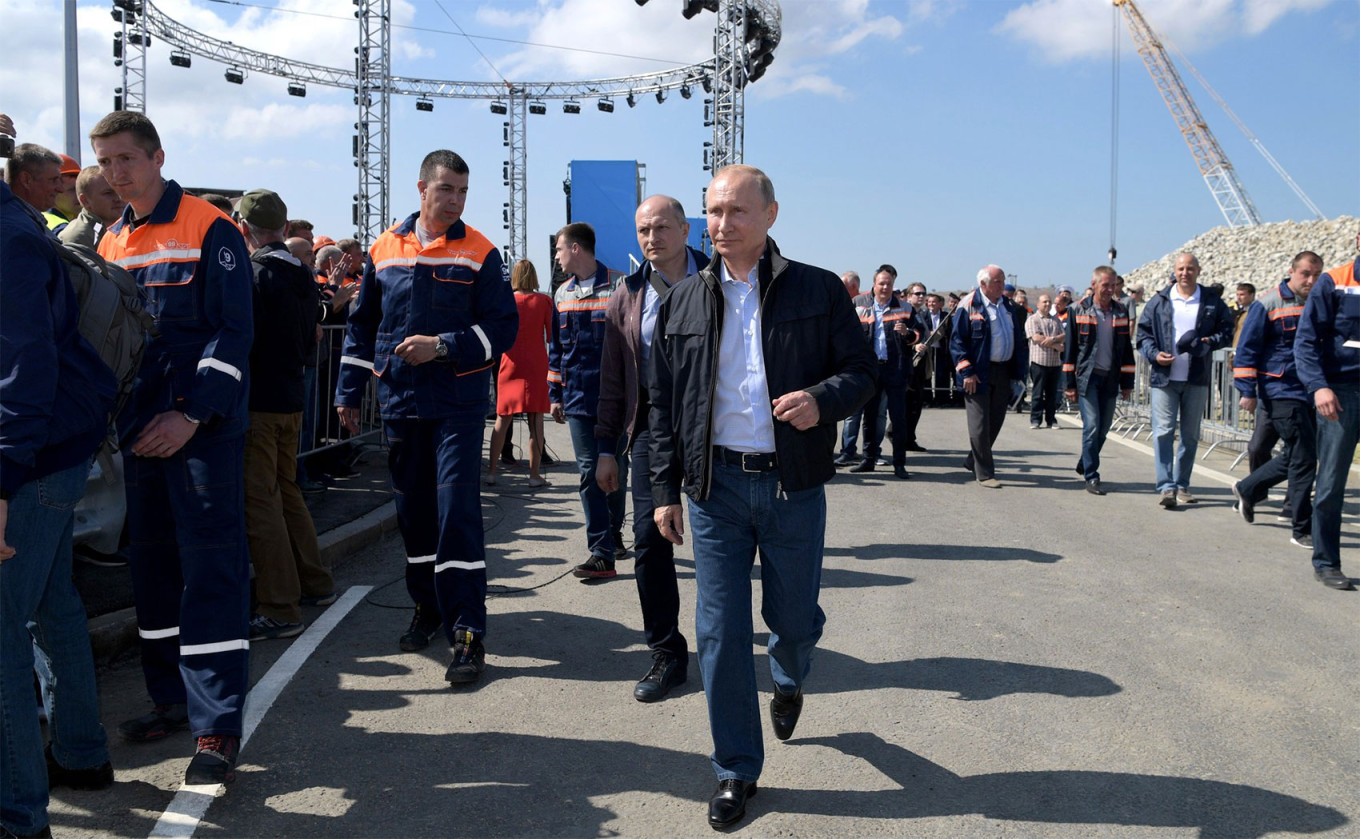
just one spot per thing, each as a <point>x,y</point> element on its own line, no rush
<point>889,327</point>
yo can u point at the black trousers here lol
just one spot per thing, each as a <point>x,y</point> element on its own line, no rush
<point>1294,422</point>
<point>654,564</point>
<point>1043,397</point>
<point>896,394</point>
<point>1261,450</point>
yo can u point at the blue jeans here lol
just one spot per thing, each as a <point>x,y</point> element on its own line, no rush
<point>1097,405</point>
<point>745,513</point>
<point>604,513</point>
<point>1336,441</point>
<point>850,431</point>
<point>1175,404</point>
<point>39,603</point>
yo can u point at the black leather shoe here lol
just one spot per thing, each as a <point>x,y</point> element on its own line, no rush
<point>865,465</point>
<point>1093,487</point>
<point>1331,577</point>
<point>728,804</point>
<point>784,711</point>
<point>667,672</point>
<point>901,473</point>
<point>915,447</point>
<point>844,459</point>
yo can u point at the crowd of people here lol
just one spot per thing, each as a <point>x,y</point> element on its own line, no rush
<point>727,380</point>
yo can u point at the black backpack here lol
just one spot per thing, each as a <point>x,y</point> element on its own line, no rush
<point>114,317</point>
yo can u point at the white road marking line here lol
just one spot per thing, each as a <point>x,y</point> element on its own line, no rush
<point>186,810</point>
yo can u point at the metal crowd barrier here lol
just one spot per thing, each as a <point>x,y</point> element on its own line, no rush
<point>1224,423</point>
<point>321,428</point>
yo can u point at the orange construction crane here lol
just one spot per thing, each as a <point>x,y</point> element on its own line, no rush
<point>1213,164</point>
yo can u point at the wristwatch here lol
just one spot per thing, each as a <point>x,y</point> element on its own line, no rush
<point>441,349</point>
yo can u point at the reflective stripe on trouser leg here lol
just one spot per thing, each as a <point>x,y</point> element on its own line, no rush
<point>157,582</point>
<point>208,507</point>
<point>460,570</point>
<point>199,582</point>
<point>436,464</point>
<point>417,511</point>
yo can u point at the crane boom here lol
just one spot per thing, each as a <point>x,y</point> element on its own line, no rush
<point>1213,164</point>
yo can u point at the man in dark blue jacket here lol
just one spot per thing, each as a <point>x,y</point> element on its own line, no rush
<point>1178,332</point>
<point>1327,355</point>
<point>574,389</point>
<point>1099,366</point>
<point>55,396</point>
<point>987,341</point>
<point>186,420</point>
<point>434,311</point>
<point>1263,367</point>
<point>891,331</point>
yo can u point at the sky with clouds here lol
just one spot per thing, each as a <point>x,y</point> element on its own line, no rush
<point>938,135</point>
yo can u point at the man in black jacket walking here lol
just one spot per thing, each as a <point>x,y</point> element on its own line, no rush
<point>630,326</point>
<point>753,363</point>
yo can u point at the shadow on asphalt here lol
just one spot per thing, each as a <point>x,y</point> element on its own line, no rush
<point>987,553</point>
<point>1219,810</point>
<point>969,679</point>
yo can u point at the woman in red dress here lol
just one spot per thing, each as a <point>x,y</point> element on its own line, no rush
<point>522,387</point>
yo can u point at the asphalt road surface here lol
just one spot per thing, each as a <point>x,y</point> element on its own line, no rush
<point>1029,661</point>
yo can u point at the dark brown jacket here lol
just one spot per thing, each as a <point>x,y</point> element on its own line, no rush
<point>619,412</point>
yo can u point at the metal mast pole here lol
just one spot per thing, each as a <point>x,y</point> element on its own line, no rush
<point>73,140</point>
<point>1213,164</point>
<point>129,52</point>
<point>729,84</point>
<point>372,94</point>
<point>516,175</point>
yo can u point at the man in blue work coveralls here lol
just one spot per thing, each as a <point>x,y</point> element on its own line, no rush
<point>435,309</point>
<point>184,432</point>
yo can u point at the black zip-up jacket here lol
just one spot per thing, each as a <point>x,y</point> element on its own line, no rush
<point>286,311</point>
<point>812,341</point>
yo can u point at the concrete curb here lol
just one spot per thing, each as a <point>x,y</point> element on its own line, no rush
<point>113,634</point>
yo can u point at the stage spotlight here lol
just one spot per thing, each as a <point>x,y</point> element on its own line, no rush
<point>632,102</point>
<point>607,105</point>
<point>180,59</point>
<point>660,96</point>
<point>423,104</point>
<point>235,75</point>
<point>538,108</point>
<point>570,107</point>
<point>499,108</point>
<point>297,89</point>
<point>685,92</point>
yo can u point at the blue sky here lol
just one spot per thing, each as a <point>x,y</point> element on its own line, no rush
<point>935,135</point>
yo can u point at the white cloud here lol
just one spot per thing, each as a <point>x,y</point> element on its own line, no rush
<point>1260,14</point>
<point>1063,30</point>
<point>813,32</point>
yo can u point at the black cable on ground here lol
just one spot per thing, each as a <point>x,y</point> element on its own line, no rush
<point>493,590</point>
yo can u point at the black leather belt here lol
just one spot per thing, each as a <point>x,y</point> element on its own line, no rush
<point>746,461</point>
